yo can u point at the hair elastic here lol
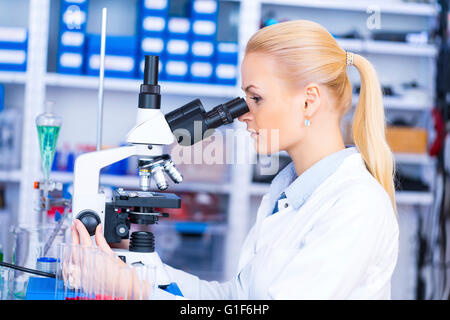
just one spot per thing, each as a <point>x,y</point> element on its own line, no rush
<point>349,58</point>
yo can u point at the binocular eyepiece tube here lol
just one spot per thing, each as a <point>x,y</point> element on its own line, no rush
<point>182,120</point>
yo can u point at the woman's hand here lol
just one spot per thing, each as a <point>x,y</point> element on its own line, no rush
<point>81,236</point>
<point>95,270</point>
<point>107,275</point>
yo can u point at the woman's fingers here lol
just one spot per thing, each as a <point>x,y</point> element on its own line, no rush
<point>75,237</point>
<point>101,241</point>
<point>85,238</point>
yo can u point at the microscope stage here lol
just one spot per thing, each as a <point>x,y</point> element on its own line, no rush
<point>131,198</point>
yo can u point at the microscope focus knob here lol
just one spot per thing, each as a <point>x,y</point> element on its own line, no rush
<point>90,220</point>
<point>122,230</point>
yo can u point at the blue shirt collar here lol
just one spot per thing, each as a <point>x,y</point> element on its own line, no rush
<point>299,188</point>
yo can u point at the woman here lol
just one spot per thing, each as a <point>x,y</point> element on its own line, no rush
<point>327,229</point>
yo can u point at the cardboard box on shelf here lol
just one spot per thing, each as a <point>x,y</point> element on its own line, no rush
<point>407,140</point>
<point>399,139</point>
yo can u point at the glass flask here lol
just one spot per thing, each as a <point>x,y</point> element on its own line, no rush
<point>28,251</point>
<point>48,125</point>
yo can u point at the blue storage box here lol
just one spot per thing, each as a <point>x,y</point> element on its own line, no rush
<point>154,7</point>
<point>13,49</point>
<point>152,46</point>
<point>178,28</point>
<point>201,71</point>
<point>176,70</point>
<point>120,56</point>
<point>119,66</point>
<point>203,50</point>
<point>2,97</point>
<point>204,19</point>
<point>13,60</point>
<point>204,9</point>
<point>177,49</point>
<point>121,45</point>
<point>72,36</point>
<point>74,15</point>
<point>204,29</point>
<point>227,52</point>
<point>225,74</point>
<point>73,41</point>
<point>154,26</point>
<point>13,38</point>
<point>70,62</point>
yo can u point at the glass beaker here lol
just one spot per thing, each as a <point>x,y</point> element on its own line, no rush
<point>6,277</point>
<point>28,251</point>
<point>68,283</point>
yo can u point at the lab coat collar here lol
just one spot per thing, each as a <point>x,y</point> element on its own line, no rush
<point>299,188</point>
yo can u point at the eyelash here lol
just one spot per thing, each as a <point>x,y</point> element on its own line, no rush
<point>257,99</point>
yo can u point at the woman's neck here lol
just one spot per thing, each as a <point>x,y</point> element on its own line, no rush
<point>307,152</point>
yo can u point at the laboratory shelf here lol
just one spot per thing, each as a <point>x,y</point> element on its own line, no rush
<point>10,175</point>
<point>414,198</point>
<point>133,182</point>
<point>386,7</point>
<point>414,158</point>
<point>388,47</point>
<point>400,103</point>
<point>13,77</point>
<point>397,48</point>
<point>133,85</point>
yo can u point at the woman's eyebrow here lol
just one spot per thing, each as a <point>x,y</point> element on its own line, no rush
<point>248,87</point>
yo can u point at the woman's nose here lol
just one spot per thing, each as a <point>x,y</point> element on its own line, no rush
<point>246,117</point>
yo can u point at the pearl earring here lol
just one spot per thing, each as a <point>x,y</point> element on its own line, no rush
<point>307,122</point>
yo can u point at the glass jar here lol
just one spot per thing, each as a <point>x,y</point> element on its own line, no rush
<point>29,251</point>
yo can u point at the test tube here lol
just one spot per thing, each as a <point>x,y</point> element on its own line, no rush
<point>106,274</point>
<point>88,272</point>
<point>68,272</point>
<point>98,286</point>
<point>123,280</point>
<point>144,281</point>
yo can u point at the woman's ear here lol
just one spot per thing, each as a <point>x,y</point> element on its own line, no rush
<point>312,99</point>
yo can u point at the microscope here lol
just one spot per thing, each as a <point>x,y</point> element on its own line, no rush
<point>146,139</point>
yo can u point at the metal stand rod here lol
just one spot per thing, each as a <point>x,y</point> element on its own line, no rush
<point>101,79</point>
<point>23,269</point>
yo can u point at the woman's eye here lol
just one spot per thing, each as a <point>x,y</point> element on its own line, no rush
<point>256,99</point>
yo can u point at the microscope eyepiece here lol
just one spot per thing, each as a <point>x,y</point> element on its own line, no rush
<point>182,120</point>
<point>226,113</point>
<point>149,95</point>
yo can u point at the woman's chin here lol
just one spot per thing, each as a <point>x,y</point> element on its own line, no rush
<point>264,150</point>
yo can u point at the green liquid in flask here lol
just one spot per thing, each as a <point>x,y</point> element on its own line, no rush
<point>48,136</point>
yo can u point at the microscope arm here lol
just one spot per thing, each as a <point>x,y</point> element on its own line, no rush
<point>87,199</point>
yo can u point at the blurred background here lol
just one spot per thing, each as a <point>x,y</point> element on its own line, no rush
<point>49,60</point>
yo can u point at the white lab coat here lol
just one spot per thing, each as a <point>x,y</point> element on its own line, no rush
<point>341,244</point>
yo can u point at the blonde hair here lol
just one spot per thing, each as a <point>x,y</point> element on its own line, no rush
<point>306,53</point>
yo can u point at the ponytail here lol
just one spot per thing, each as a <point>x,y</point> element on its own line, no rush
<point>369,127</point>
<point>309,53</point>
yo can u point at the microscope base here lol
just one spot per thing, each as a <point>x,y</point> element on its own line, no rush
<point>146,258</point>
